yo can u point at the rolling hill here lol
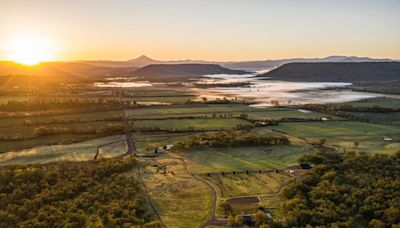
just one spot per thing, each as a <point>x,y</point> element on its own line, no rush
<point>181,71</point>
<point>337,72</point>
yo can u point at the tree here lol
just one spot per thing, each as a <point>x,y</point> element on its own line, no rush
<point>322,142</point>
<point>244,116</point>
<point>260,217</point>
<point>226,208</point>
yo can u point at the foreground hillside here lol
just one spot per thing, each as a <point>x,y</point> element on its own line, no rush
<point>337,72</point>
<point>102,194</point>
<point>354,190</point>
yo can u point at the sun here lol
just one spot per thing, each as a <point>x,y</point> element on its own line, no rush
<point>29,50</point>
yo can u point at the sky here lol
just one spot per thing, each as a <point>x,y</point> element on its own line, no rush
<point>219,30</point>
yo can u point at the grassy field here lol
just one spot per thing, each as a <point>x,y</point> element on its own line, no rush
<point>182,110</point>
<point>381,117</point>
<point>197,124</point>
<point>335,128</point>
<point>43,141</point>
<point>181,200</point>
<point>367,144</point>
<point>6,99</point>
<point>248,185</point>
<point>146,142</point>
<point>212,160</point>
<point>28,131</point>
<point>82,151</point>
<point>277,114</point>
<point>379,101</point>
<point>94,116</point>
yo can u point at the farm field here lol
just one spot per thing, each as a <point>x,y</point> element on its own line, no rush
<point>211,160</point>
<point>367,144</point>
<point>179,110</point>
<point>43,141</point>
<point>392,118</point>
<point>84,117</point>
<point>28,131</point>
<point>82,151</point>
<point>278,114</point>
<point>335,128</point>
<point>146,142</point>
<point>253,184</point>
<point>379,101</point>
<point>181,200</point>
<point>6,99</point>
<point>196,124</point>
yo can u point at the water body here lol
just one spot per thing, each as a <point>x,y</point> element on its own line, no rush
<point>262,91</point>
<point>122,84</point>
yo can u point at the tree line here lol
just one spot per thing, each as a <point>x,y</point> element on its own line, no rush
<point>231,138</point>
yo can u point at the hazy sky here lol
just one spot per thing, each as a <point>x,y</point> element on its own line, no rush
<point>207,29</point>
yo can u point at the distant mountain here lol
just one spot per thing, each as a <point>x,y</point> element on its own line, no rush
<point>267,64</point>
<point>337,72</point>
<point>183,71</point>
<point>243,65</point>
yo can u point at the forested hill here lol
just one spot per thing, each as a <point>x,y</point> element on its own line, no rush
<point>337,72</point>
<point>182,70</point>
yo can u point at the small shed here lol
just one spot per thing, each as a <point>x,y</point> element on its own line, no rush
<point>387,139</point>
<point>168,146</point>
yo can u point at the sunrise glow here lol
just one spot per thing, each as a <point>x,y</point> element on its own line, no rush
<point>29,50</point>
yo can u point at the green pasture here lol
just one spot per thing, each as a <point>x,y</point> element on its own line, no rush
<point>210,160</point>
<point>181,110</point>
<point>197,124</point>
<point>335,128</point>
<point>180,199</point>
<point>367,144</point>
<point>277,114</point>
<point>252,184</point>
<point>379,101</point>
<point>28,131</point>
<point>84,117</point>
<point>6,99</point>
<point>392,118</point>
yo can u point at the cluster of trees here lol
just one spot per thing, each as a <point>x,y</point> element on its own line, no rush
<point>104,130</point>
<point>351,190</point>
<point>88,194</point>
<point>231,138</point>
